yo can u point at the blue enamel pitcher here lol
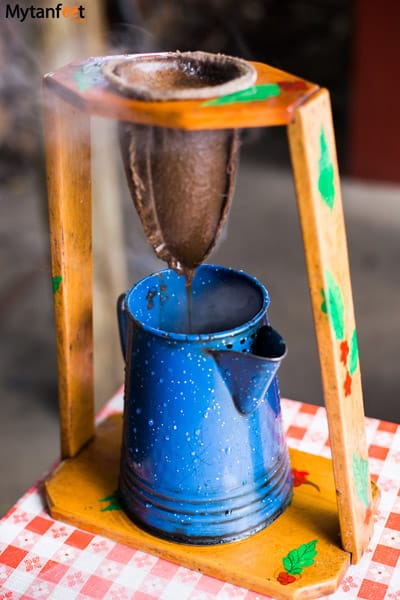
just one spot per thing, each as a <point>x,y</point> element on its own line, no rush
<point>204,459</point>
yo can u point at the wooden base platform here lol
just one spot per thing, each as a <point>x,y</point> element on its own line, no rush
<point>298,556</point>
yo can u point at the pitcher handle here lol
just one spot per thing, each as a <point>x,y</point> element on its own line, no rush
<point>122,323</point>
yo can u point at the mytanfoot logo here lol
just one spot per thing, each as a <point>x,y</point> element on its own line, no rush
<point>61,11</point>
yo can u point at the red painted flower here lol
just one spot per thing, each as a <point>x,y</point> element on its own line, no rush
<point>285,578</point>
<point>299,477</point>
<point>293,86</point>
<point>368,515</point>
<point>347,384</point>
<point>344,352</point>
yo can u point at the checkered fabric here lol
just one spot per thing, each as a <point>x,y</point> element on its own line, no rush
<point>41,558</point>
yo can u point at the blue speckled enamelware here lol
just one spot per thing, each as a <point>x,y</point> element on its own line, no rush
<point>204,459</point>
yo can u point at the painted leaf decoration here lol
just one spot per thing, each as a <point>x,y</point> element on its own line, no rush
<point>257,92</point>
<point>333,302</point>
<point>56,282</point>
<point>87,76</point>
<point>113,502</point>
<point>361,478</point>
<point>326,186</point>
<point>324,307</point>
<point>300,557</point>
<point>353,354</point>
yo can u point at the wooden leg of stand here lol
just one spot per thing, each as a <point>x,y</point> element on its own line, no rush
<point>67,138</point>
<point>313,152</point>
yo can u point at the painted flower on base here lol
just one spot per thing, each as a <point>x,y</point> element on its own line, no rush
<point>300,478</point>
<point>285,578</point>
<point>295,561</point>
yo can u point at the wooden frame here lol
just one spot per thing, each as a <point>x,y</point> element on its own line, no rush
<point>67,131</point>
<point>312,143</point>
<point>79,90</point>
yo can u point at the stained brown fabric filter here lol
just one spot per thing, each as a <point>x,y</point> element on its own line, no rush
<point>181,184</point>
<point>181,181</point>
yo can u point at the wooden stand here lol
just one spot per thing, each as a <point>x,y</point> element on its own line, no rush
<point>79,90</point>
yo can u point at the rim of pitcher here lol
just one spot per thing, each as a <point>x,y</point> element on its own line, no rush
<point>196,337</point>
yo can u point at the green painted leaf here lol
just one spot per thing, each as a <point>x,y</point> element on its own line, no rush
<point>334,305</point>
<point>113,500</point>
<point>361,478</point>
<point>324,307</point>
<point>353,354</point>
<point>299,558</point>
<point>87,76</point>
<point>326,186</point>
<point>251,94</point>
<point>56,281</point>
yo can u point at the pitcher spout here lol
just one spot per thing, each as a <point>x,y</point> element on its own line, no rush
<point>248,376</point>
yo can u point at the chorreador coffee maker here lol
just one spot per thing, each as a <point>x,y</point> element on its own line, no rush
<point>203,457</point>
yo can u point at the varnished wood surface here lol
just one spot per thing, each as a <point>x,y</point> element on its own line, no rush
<point>313,152</point>
<point>81,83</point>
<point>67,140</point>
<point>77,490</point>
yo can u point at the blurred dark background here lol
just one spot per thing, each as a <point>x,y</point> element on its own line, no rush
<point>348,47</point>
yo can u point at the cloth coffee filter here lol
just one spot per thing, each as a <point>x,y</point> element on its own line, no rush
<point>178,75</point>
<point>181,184</point>
<point>181,181</point>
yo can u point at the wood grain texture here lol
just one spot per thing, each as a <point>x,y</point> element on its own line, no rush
<point>67,140</point>
<point>81,492</point>
<point>312,146</point>
<point>81,83</point>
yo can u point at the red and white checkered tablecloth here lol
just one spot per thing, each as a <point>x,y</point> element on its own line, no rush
<point>41,558</point>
